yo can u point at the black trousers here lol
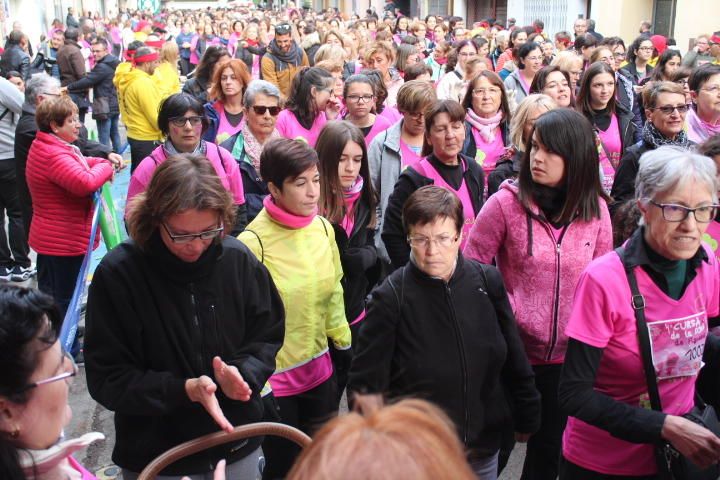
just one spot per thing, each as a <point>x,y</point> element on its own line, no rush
<point>544,448</point>
<point>570,471</point>
<point>185,66</point>
<point>57,276</point>
<point>16,238</point>
<point>306,411</point>
<point>139,149</point>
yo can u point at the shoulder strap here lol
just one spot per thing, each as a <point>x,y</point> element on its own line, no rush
<point>458,74</point>
<point>222,160</point>
<point>322,220</point>
<point>638,304</point>
<point>7,110</point>
<point>400,297</point>
<point>262,249</point>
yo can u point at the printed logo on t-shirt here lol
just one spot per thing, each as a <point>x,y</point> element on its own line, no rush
<point>480,157</point>
<point>677,345</point>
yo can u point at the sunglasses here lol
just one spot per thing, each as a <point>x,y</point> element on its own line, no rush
<point>260,110</point>
<point>669,109</point>
<point>282,29</point>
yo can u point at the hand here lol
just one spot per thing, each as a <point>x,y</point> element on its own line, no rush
<point>697,443</point>
<point>116,160</point>
<point>219,471</point>
<point>186,45</point>
<point>522,437</point>
<point>202,390</point>
<point>332,108</point>
<point>230,380</point>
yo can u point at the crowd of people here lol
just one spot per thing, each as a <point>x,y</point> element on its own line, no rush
<point>488,223</point>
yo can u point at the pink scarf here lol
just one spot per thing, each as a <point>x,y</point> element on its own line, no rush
<point>286,218</point>
<point>700,126</point>
<point>486,126</point>
<point>351,195</point>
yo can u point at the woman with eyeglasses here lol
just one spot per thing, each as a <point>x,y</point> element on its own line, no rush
<point>639,54</point>
<point>311,104</point>
<point>225,110</point>
<point>529,62</point>
<point>611,122</point>
<point>348,201</point>
<point>665,109</point>
<point>487,120</point>
<point>182,122</point>
<point>443,165</point>
<point>299,248</point>
<point>542,231</point>
<point>703,119</point>
<point>614,425</point>
<point>261,104</point>
<point>359,96</point>
<point>441,327</point>
<point>452,84</point>
<point>182,326</point>
<point>61,181</point>
<point>34,390</point>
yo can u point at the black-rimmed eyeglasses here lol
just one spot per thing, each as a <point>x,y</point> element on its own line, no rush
<point>678,213</point>
<point>187,238</point>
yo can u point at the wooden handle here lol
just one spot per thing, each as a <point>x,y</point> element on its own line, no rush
<point>214,439</point>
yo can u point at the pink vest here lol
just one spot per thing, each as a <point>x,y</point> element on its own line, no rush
<point>381,124</point>
<point>610,152</point>
<point>425,167</point>
<point>194,59</point>
<point>408,157</point>
<point>225,129</point>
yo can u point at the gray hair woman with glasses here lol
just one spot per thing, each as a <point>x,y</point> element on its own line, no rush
<point>183,325</point>
<point>612,430</point>
<point>441,327</point>
<point>182,121</point>
<point>665,110</point>
<point>261,106</point>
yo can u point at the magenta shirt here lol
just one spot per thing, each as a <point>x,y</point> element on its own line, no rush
<point>289,127</point>
<point>488,153</point>
<point>225,129</point>
<point>610,152</point>
<point>602,317</point>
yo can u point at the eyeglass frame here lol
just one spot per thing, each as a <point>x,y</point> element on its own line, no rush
<point>189,237</point>
<point>357,98</point>
<point>662,109</point>
<point>283,26</point>
<point>438,241</point>
<point>175,120</point>
<point>663,206</point>
<point>54,378</point>
<point>261,109</point>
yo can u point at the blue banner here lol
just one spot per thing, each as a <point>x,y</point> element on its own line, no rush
<point>72,317</point>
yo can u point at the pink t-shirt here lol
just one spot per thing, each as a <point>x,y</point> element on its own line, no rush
<point>225,129</point>
<point>289,127</point>
<point>712,237</point>
<point>488,153</point>
<point>602,317</point>
<point>610,152</point>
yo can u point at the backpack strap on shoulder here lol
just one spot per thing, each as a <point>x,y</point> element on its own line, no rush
<point>262,249</point>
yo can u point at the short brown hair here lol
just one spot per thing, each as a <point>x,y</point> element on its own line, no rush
<point>652,91</point>
<point>56,110</point>
<point>452,108</point>
<point>182,182</point>
<point>332,66</point>
<point>283,159</point>
<point>241,73</point>
<point>410,439</point>
<point>430,203</point>
<point>415,95</point>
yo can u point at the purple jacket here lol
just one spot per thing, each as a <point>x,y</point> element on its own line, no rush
<point>540,271</point>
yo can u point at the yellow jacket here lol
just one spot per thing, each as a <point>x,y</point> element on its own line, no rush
<point>305,265</point>
<point>167,79</point>
<point>139,101</point>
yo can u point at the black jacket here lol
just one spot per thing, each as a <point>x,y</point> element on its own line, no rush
<point>154,321</point>
<point>455,344</point>
<point>254,189</point>
<point>25,132</point>
<point>506,168</point>
<point>15,58</point>
<point>246,54</point>
<point>357,256</point>
<point>469,147</point>
<point>197,88</point>
<point>393,234</point>
<point>100,79</point>
<point>626,126</point>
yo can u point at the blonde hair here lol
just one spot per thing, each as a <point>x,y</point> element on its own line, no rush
<point>170,53</point>
<point>566,59</point>
<point>384,48</point>
<point>330,65</point>
<point>330,52</point>
<point>410,439</point>
<point>523,111</point>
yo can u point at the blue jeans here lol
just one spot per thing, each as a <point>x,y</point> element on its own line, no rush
<point>485,468</point>
<point>108,131</point>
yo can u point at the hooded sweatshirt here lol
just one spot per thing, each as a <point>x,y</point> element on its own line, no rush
<point>139,100</point>
<point>540,265</point>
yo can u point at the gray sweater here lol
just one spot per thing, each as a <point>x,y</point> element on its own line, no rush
<point>11,101</point>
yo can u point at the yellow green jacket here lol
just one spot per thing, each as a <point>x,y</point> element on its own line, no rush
<point>305,266</point>
<point>139,101</point>
<point>167,79</point>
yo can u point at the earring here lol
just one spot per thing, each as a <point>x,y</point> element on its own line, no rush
<point>15,433</point>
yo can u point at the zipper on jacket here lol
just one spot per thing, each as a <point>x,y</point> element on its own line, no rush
<point>196,324</point>
<point>556,294</point>
<point>463,364</point>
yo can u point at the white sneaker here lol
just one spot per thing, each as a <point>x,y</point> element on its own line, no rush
<point>22,274</point>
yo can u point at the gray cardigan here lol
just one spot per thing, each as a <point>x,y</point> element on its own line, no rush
<point>11,101</point>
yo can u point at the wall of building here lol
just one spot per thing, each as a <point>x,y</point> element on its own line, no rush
<point>621,17</point>
<point>694,17</point>
<point>556,14</point>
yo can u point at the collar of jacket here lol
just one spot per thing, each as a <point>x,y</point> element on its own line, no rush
<point>636,252</point>
<point>177,270</point>
<point>392,138</point>
<point>435,281</point>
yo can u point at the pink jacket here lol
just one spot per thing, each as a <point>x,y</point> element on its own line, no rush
<point>223,161</point>
<point>540,271</point>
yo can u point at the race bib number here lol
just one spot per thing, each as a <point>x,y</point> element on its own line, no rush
<point>677,345</point>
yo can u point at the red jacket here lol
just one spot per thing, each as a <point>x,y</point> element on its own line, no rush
<point>61,186</point>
